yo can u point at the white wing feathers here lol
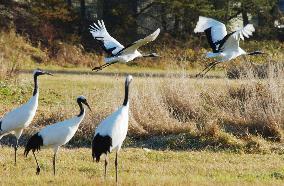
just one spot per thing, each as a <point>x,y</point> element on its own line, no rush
<point>99,32</point>
<point>244,32</point>
<point>137,44</point>
<point>233,41</point>
<point>218,29</point>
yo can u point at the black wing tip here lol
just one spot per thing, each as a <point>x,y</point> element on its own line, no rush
<point>34,144</point>
<point>100,145</point>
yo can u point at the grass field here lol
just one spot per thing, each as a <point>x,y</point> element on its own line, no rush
<point>196,133</point>
<point>237,114</point>
<point>140,167</point>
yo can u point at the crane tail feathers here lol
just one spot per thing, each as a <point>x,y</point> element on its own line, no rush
<point>101,145</point>
<point>34,144</point>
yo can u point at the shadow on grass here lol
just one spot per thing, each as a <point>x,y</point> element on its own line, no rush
<point>174,142</point>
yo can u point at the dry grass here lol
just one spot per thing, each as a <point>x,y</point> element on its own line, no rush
<point>219,113</point>
<point>14,51</point>
<point>67,55</point>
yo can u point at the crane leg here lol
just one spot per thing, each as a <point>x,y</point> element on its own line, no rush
<point>213,65</point>
<point>103,66</point>
<point>206,69</point>
<point>106,162</point>
<point>38,167</point>
<point>116,164</point>
<point>54,157</point>
<point>18,134</point>
<point>16,148</point>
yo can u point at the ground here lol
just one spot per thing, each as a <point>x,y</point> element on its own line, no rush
<point>144,167</point>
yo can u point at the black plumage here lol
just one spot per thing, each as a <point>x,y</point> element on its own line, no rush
<point>210,40</point>
<point>216,47</point>
<point>34,144</point>
<point>102,44</point>
<point>101,145</point>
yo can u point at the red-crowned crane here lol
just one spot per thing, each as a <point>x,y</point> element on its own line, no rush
<point>117,52</point>
<point>15,121</point>
<point>56,135</point>
<point>225,46</point>
<point>111,132</point>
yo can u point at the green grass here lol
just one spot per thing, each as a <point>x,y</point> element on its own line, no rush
<point>139,167</point>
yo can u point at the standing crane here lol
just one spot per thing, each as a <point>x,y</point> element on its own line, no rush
<point>15,121</point>
<point>56,135</point>
<point>111,132</point>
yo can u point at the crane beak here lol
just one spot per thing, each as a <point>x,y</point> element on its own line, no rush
<point>48,73</point>
<point>86,103</point>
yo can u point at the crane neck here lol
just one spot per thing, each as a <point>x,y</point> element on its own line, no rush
<point>35,85</point>
<point>125,102</point>
<point>82,110</point>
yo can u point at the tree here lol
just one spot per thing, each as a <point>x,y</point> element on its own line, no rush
<point>119,16</point>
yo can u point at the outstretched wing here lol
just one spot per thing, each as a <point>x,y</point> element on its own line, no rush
<point>231,41</point>
<point>137,44</point>
<point>214,30</point>
<point>109,44</point>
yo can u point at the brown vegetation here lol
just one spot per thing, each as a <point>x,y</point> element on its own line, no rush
<point>176,112</point>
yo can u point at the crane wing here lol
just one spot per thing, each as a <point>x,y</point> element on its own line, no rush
<point>231,41</point>
<point>214,30</point>
<point>109,44</point>
<point>137,44</point>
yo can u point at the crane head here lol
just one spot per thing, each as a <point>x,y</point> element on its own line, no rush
<point>39,72</point>
<point>83,100</point>
<point>128,80</point>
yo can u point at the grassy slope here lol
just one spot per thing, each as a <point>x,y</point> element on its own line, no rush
<point>138,167</point>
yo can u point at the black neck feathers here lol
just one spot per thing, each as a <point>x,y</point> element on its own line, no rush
<point>35,84</point>
<point>82,110</point>
<point>0,125</point>
<point>126,94</point>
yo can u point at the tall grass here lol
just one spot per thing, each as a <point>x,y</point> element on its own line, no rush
<point>248,106</point>
<point>238,113</point>
<point>15,51</point>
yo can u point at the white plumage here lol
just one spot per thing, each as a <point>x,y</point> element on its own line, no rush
<point>56,135</point>
<point>117,52</point>
<point>100,33</point>
<point>112,131</point>
<point>15,121</point>
<point>60,133</point>
<point>218,29</point>
<point>115,126</point>
<point>225,46</point>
